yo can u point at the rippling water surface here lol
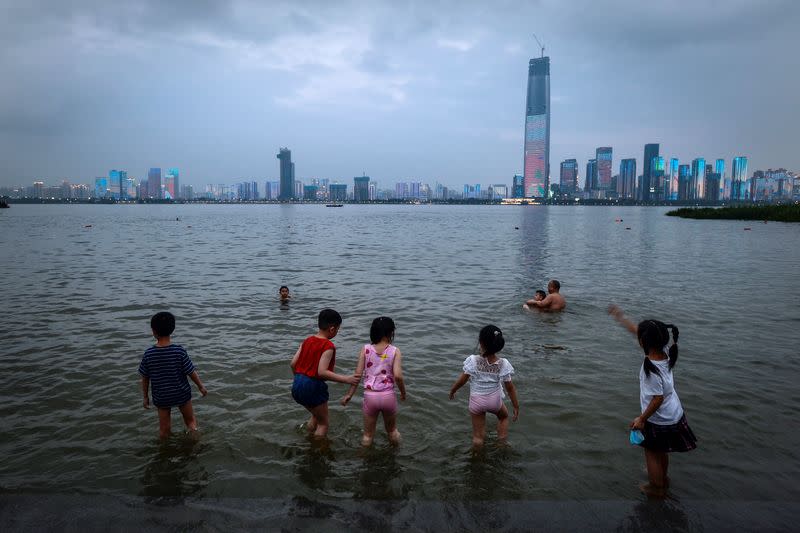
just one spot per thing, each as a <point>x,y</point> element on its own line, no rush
<point>77,302</point>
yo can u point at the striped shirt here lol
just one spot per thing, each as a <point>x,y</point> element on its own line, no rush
<point>167,368</point>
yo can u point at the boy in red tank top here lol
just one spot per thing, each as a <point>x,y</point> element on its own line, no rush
<point>313,364</point>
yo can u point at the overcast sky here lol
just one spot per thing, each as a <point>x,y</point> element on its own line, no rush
<point>429,90</point>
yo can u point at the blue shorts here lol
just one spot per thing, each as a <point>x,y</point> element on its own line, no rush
<point>309,392</point>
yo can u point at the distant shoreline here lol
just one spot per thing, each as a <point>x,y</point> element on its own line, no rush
<point>472,201</point>
<point>775,213</point>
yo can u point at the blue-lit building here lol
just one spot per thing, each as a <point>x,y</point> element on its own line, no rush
<point>648,188</point>
<point>740,187</point>
<point>657,179</point>
<point>626,182</point>
<point>175,185</point>
<point>518,186</point>
<point>672,192</point>
<point>698,191</point>
<point>719,168</point>
<point>536,168</point>
<point>101,187</point>
<point>590,184</point>
<point>684,182</point>
<point>568,176</point>
<point>603,157</point>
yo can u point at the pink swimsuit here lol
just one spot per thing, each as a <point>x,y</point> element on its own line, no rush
<point>379,394</point>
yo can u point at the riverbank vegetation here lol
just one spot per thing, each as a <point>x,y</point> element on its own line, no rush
<point>776,213</point>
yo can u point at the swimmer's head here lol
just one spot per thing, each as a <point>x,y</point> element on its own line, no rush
<point>540,295</point>
<point>653,335</point>
<point>329,321</point>
<point>491,340</point>
<point>284,292</point>
<point>382,328</point>
<point>553,286</point>
<point>162,324</point>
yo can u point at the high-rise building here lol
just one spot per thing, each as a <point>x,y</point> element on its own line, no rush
<point>626,182</point>
<point>684,182</point>
<point>698,191</point>
<point>173,173</point>
<point>603,155</point>
<point>101,187</point>
<point>154,183</point>
<point>569,176</point>
<point>650,151</point>
<point>591,175</point>
<point>287,190</point>
<point>713,187</point>
<point>672,189</point>
<point>517,187</point>
<point>537,129</point>
<point>740,190</point>
<point>338,192</point>
<point>657,179</point>
<point>361,189</point>
<point>299,192</point>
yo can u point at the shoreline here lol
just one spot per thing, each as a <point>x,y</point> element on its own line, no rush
<point>773,213</point>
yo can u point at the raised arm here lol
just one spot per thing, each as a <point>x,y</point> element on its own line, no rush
<point>620,317</point>
<point>359,371</point>
<point>397,370</point>
<point>324,373</point>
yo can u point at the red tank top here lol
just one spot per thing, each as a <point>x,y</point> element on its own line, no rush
<point>310,353</point>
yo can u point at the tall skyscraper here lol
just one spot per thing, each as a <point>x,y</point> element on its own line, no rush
<point>698,188</point>
<point>176,184</point>
<point>740,189</point>
<point>154,183</point>
<point>603,156</point>
<point>684,182</point>
<point>673,180</point>
<point>361,189</point>
<point>626,182</point>
<point>591,175</point>
<point>569,176</point>
<point>657,179</point>
<point>650,151</point>
<point>287,174</point>
<point>537,129</point>
<point>517,187</point>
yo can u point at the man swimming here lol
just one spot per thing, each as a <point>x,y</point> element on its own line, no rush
<point>552,302</point>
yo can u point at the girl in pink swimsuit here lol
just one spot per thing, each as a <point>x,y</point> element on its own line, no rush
<point>488,374</point>
<point>380,365</point>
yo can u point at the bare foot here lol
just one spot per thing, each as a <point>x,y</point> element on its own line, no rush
<point>366,441</point>
<point>652,491</point>
<point>394,437</point>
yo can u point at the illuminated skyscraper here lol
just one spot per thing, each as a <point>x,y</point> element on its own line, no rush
<point>176,185</point>
<point>154,183</point>
<point>361,189</point>
<point>698,189</point>
<point>657,179</point>
<point>673,180</point>
<point>591,175</point>
<point>287,189</point>
<point>684,182</point>
<point>740,189</point>
<point>603,156</point>
<point>537,129</point>
<point>650,151</point>
<point>626,182</point>
<point>517,187</point>
<point>569,176</point>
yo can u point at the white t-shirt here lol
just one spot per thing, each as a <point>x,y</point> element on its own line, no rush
<point>485,377</point>
<point>671,410</point>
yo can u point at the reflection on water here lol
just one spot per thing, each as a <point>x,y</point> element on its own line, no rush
<point>379,475</point>
<point>316,463</point>
<point>173,471</point>
<point>656,515</point>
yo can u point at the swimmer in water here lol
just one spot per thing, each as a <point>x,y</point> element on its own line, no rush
<point>537,297</point>
<point>552,302</point>
<point>283,294</point>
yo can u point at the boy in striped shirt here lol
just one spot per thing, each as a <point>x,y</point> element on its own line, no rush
<point>167,365</point>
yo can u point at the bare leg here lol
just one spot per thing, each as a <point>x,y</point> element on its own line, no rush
<point>665,467</point>
<point>311,425</point>
<point>319,414</point>
<point>478,429</point>
<point>390,423</point>
<point>502,423</point>
<point>188,416</point>
<point>164,423</point>
<point>370,422</point>
<point>655,473</point>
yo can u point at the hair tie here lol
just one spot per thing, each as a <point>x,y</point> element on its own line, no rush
<point>496,333</point>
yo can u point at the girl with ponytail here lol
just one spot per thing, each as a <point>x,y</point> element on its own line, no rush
<point>488,374</point>
<point>662,420</point>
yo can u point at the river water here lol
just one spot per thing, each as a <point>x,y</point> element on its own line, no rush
<point>77,302</point>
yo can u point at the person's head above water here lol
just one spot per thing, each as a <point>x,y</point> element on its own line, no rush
<point>284,292</point>
<point>553,286</point>
<point>491,340</point>
<point>162,324</point>
<point>653,336</point>
<point>540,295</point>
<point>382,328</point>
<point>329,322</point>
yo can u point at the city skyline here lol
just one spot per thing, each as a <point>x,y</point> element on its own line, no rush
<point>434,91</point>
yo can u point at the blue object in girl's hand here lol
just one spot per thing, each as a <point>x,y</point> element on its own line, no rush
<point>636,436</point>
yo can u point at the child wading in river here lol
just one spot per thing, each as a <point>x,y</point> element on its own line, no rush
<point>381,365</point>
<point>487,375</point>
<point>662,420</point>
